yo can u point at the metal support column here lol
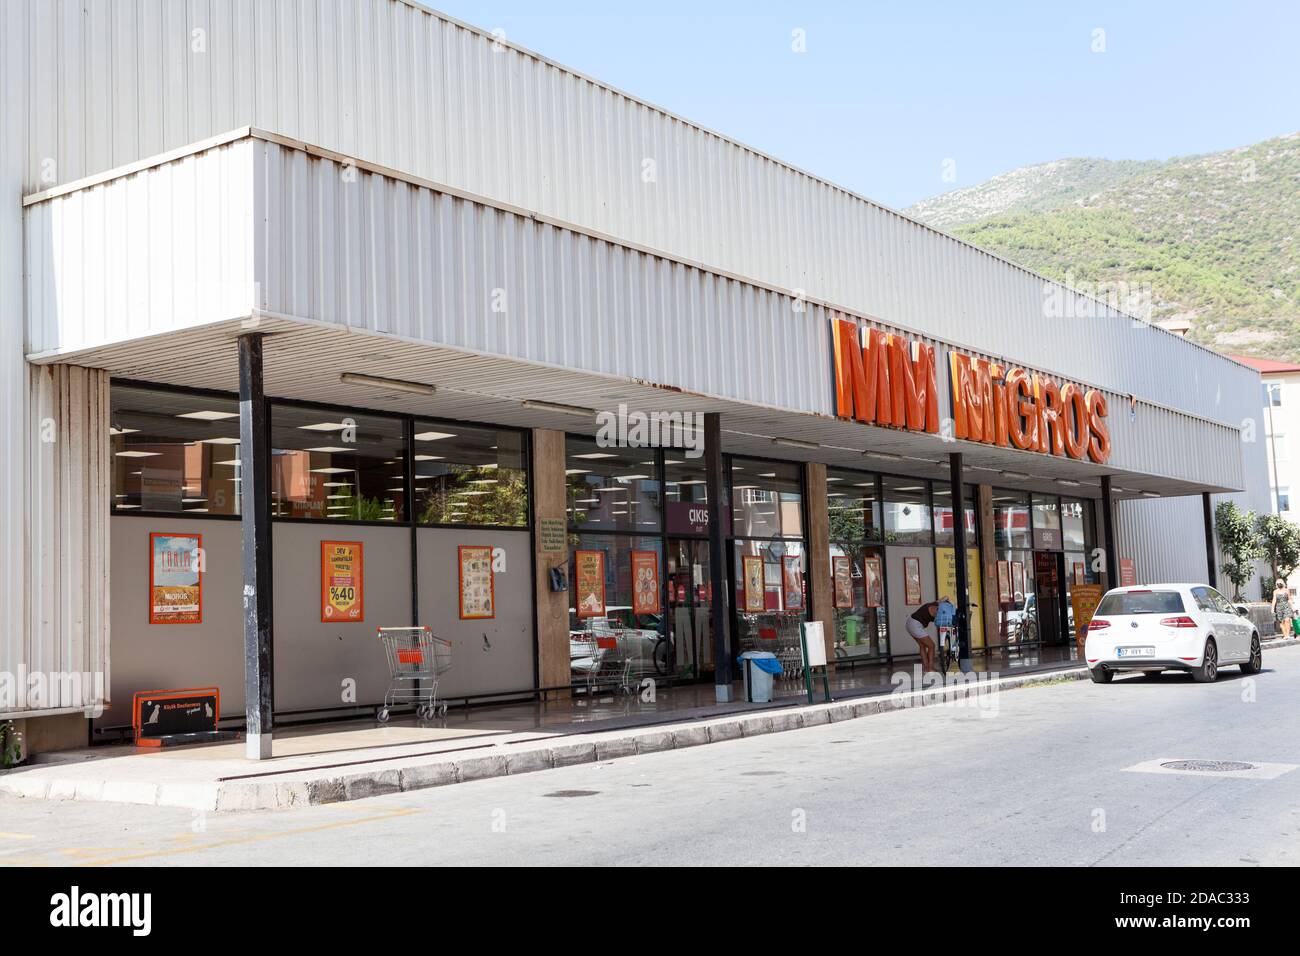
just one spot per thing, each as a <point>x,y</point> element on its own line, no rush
<point>255,521</point>
<point>1211,556</point>
<point>962,597</point>
<point>1108,527</point>
<point>719,511</point>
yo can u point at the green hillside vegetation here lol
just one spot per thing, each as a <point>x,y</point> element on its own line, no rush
<point>1210,239</point>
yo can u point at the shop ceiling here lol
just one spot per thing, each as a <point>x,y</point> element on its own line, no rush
<point>305,362</point>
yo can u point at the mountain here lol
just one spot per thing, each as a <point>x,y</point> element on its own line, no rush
<point>1208,242</point>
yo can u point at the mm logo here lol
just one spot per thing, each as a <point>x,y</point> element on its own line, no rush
<point>883,379</point>
<point>76,909</point>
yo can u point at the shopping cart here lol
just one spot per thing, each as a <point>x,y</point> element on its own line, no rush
<point>416,659</point>
<point>600,660</point>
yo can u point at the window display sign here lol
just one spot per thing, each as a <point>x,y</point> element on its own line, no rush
<point>175,578</point>
<point>1078,573</point>
<point>753,577</point>
<point>1127,573</point>
<point>874,582</point>
<point>946,563</point>
<point>1004,582</point>
<point>912,580</point>
<point>590,582</point>
<point>842,573</point>
<point>477,584</point>
<point>645,582</point>
<point>1084,599</point>
<point>1017,581</point>
<point>792,582</point>
<point>342,582</point>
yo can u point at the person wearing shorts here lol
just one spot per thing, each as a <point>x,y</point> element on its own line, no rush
<point>916,625</point>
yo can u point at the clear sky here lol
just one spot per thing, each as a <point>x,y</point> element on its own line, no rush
<point>885,93</point>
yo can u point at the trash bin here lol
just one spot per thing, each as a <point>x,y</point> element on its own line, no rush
<point>759,668</point>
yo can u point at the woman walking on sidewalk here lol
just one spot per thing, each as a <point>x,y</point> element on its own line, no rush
<point>1282,609</point>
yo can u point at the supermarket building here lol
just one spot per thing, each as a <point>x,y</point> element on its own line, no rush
<point>334,299</point>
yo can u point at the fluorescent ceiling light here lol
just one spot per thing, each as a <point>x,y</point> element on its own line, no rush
<point>336,497</point>
<point>125,507</point>
<point>122,431</point>
<point>195,510</point>
<point>1015,474</point>
<point>138,454</point>
<point>392,384</point>
<point>693,481</point>
<point>630,477</point>
<point>577,471</point>
<point>1067,481</point>
<point>330,449</point>
<point>591,455</point>
<point>206,416</point>
<point>428,457</point>
<point>433,436</point>
<point>233,462</point>
<point>192,501</point>
<point>795,443</point>
<point>483,481</point>
<point>331,471</point>
<point>324,427</point>
<point>883,455</point>
<point>559,407</point>
<point>336,484</point>
<point>220,441</point>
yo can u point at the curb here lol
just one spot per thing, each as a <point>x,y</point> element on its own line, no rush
<point>314,788</point>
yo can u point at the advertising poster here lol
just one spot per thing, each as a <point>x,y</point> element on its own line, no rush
<point>175,578</point>
<point>946,562</point>
<point>1004,582</point>
<point>842,573</point>
<point>874,582</point>
<point>912,580</point>
<point>342,582</point>
<point>1017,581</point>
<point>792,582</point>
<point>589,579</point>
<point>1127,573</point>
<point>1084,599</point>
<point>477,585</point>
<point>645,582</point>
<point>1078,573</point>
<point>753,577</point>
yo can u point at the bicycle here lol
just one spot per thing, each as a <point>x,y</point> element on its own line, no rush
<point>948,650</point>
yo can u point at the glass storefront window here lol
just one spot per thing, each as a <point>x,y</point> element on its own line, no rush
<point>1046,522</point>
<point>619,643</point>
<point>943,528</point>
<point>853,506</point>
<point>861,629</point>
<point>335,464</point>
<point>470,475</point>
<point>1010,519</point>
<point>612,489</point>
<point>782,593</point>
<point>766,499</point>
<point>174,452</point>
<point>907,510</point>
<point>1076,524</point>
<point>1017,603</point>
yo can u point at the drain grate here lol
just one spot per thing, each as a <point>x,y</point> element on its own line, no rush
<point>1212,766</point>
<point>571,793</point>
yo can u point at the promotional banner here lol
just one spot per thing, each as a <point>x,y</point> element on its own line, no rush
<point>175,578</point>
<point>589,581</point>
<point>842,573</point>
<point>792,582</point>
<point>1084,599</point>
<point>753,578</point>
<point>946,560</point>
<point>912,580</point>
<point>342,582</point>
<point>873,574</point>
<point>477,584</point>
<point>645,582</point>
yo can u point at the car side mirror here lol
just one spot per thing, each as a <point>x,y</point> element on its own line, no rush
<point>1243,611</point>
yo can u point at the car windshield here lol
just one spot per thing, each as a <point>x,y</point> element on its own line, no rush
<point>1141,602</point>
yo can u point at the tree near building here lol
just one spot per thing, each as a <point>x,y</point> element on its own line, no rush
<point>1238,542</point>
<point>1279,545</point>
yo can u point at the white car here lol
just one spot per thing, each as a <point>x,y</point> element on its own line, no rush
<point>1161,627</point>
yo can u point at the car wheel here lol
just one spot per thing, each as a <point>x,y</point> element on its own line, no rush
<point>1208,672</point>
<point>1100,675</point>
<point>1256,662</point>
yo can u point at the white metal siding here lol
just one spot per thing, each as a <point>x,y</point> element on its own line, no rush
<point>382,80</point>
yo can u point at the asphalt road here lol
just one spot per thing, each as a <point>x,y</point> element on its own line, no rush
<point>1038,776</point>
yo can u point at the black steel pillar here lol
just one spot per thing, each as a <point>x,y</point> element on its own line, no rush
<point>962,597</point>
<point>719,511</point>
<point>255,520</point>
<point>1211,557</point>
<point>1108,527</point>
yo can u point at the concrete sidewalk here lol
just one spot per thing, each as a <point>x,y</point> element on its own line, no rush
<point>365,762</point>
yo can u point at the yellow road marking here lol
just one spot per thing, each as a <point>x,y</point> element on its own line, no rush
<point>17,836</point>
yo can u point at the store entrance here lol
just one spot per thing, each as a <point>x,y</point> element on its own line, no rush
<point>1049,596</point>
<point>690,623</point>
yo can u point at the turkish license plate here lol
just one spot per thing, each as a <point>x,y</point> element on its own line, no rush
<point>1135,652</point>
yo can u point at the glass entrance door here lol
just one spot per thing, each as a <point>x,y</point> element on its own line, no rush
<point>690,608</point>
<point>1049,582</point>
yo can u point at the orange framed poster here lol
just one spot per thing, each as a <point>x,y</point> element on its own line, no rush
<point>842,574</point>
<point>752,566</point>
<point>1079,577</point>
<point>792,581</point>
<point>1017,581</point>
<point>478,595</point>
<point>589,578</point>
<point>342,582</point>
<point>645,582</point>
<point>873,582</point>
<point>912,581</point>
<point>175,578</point>
<point>1004,582</point>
